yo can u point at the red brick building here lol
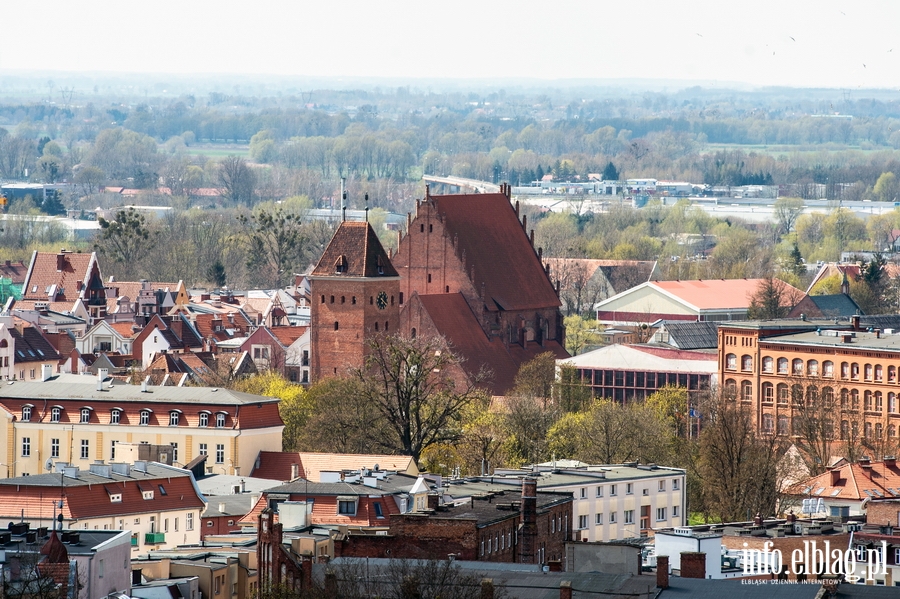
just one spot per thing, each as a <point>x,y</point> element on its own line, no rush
<point>466,270</point>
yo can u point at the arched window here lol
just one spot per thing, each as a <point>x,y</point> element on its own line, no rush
<point>845,430</point>
<point>336,325</point>
<point>879,373</point>
<point>145,417</point>
<point>854,370</point>
<point>782,425</point>
<point>115,416</point>
<point>343,299</point>
<point>867,371</point>
<point>746,391</point>
<point>797,367</point>
<point>26,413</point>
<point>746,363</point>
<point>797,395</point>
<point>828,368</point>
<point>892,402</point>
<point>174,417</point>
<point>782,394</point>
<point>85,415</point>
<point>892,431</point>
<point>892,374</point>
<point>55,414</point>
<point>385,325</point>
<point>768,392</point>
<point>854,399</point>
<point>412,333</point>
<point>879,402</point>
<point>845,399</point>
<point>782,366</point>
<point>867,400</point>
<point>854,430</point>
<point>204,419</point>
<point>867,430</point>
<point>812,368</point>
<point>376,326</point>
<point>879,430</point>
<point>768,364</point>
<point>845,370</point>
<point>731,362</point>
<point>812,395</point>
<point>768,423</point>
<point>730,388</point>
<point>828,397</point>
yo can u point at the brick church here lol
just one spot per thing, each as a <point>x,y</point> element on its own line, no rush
<point>466,269</point>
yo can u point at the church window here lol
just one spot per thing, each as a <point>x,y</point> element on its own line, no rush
<point>421,228</point>
<point>401,298</point>
<point>336,325</point>
<point>412,333</point>
<point>323,299</point>
<point>447,289</point>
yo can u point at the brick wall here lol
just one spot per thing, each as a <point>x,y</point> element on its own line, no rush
<point>693,564</point>
<point>882,513</point>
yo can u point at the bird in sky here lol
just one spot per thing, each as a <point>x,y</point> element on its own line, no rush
<point>792,38</point>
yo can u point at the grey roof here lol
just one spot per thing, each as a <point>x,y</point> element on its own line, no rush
<point>223,484</point>
<point>548,479</point>
<point>392,483</point>
<point>864,591</point>
<point>881,321</point>
<point>685,334</point>
<point>235,505</point>
<point>826,338</point>
<point>521,581</point>
<point>155,471</point>
<point>696,588</point>
<point>837,304</point>
<point>74,386</point>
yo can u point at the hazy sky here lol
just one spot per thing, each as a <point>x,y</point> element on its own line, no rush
<point>827,43</point>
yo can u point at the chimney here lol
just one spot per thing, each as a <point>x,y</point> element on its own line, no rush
<point>46,372</point>
<point>890,461</point>
<point>791,517</point>
<point>835,476</point>
<point>565,589</point>
<point>758,520</point>
<point>693,564</point>
<point>854,320</point>
<point>221,507</point>
<point>528,539</point>
<point>60,261</point>
<point>662,571</point>
<point>487,588</point>
<point>434,500</point>
<point>295,471</point>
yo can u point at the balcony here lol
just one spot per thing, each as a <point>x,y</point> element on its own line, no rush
<point>154,538</point>
<point>134,541</point>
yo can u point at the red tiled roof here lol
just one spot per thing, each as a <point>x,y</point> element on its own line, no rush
<point>853,482</point>
<point>15,271</point>
<point>91,501</point>
<point>68,279</point>
<point>358,244</point>
<point>123,328</point>
<point>453,318</point>
<point>276,465</point>
<point>488,231</point>
<point>715,294</point>
<point>287,335</point>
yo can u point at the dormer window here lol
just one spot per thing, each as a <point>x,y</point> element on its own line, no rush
<point>115,498</point>
<point>147,494</point>
<point>380,264</point>
<point>26,413</point>
<point>114,416</point>
<point>220,420</point>
<point>174,416</point>
<point>341,265</point>
<point>145,417</point>
<point>85,415</point>
<point>55,413</point>
<point>204,419</point>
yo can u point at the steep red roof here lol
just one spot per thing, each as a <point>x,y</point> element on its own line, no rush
<point>276,465</point>
<point>67,271</point>
<point>854,481</point>
<point>287,335</point>
<point>453,318</point>
<point>487,229</point>
<point>362,253</point>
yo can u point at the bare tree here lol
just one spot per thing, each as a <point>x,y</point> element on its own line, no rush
<point>237,180</point>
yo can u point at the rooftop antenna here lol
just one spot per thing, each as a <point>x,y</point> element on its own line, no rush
<point>367,207</point>
<point>343,202</point>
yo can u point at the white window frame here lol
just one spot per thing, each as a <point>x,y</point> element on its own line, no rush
<point>629,516</point>
<point>26,447</point>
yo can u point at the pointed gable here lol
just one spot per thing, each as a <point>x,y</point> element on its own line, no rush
<point>490,236</point>
<point>355,251</point>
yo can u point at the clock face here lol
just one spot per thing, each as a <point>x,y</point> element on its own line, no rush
<point>381,300</point>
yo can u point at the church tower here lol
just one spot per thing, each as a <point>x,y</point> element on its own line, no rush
<point>354,294</point>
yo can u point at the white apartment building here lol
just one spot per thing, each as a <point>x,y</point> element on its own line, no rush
<point>616,501</point>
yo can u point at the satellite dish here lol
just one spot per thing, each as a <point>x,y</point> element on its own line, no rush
<point>48,465</point>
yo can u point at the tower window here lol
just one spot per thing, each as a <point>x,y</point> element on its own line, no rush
<point>323,299</point>
<point>353,300</point>
<point>332,299</point>
<point>385,326</point>
<point>401,298</point>
<point>430,228</point>
<point>336,326</point>
<point>412,333</point>
<point>421,228</point>
<point>392,300</point>
<point>371,300</point>
<point>343,299</point>
<point>447,289</point>
<point>376,326</point>
<point>429,277</point>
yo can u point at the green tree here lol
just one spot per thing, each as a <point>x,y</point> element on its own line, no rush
<point>536,377</point>
<point>772,299</point>
<point>295,406</point>
<point>275,241</point>
<point>216,274</point>
<point>125,240</point>
<point>887,188</point>
<point>610,172</point>
<point>580,333</point>
<point>262,146</point>
<point>341,420</point>
<point>412,384</point>
<point>787,211</point>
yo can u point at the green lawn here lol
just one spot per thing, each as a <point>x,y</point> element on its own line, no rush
<point>219,150</point>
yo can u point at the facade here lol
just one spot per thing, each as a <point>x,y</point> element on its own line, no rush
<point>290,465</point>
<point>355,293</point>
<point>784,368</point>
<point>629,372</point>
<point>611,502</point>
<point>78,419</point>
<point>159,505</point>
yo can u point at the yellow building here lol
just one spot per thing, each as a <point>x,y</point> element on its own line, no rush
<point>78,420</point>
